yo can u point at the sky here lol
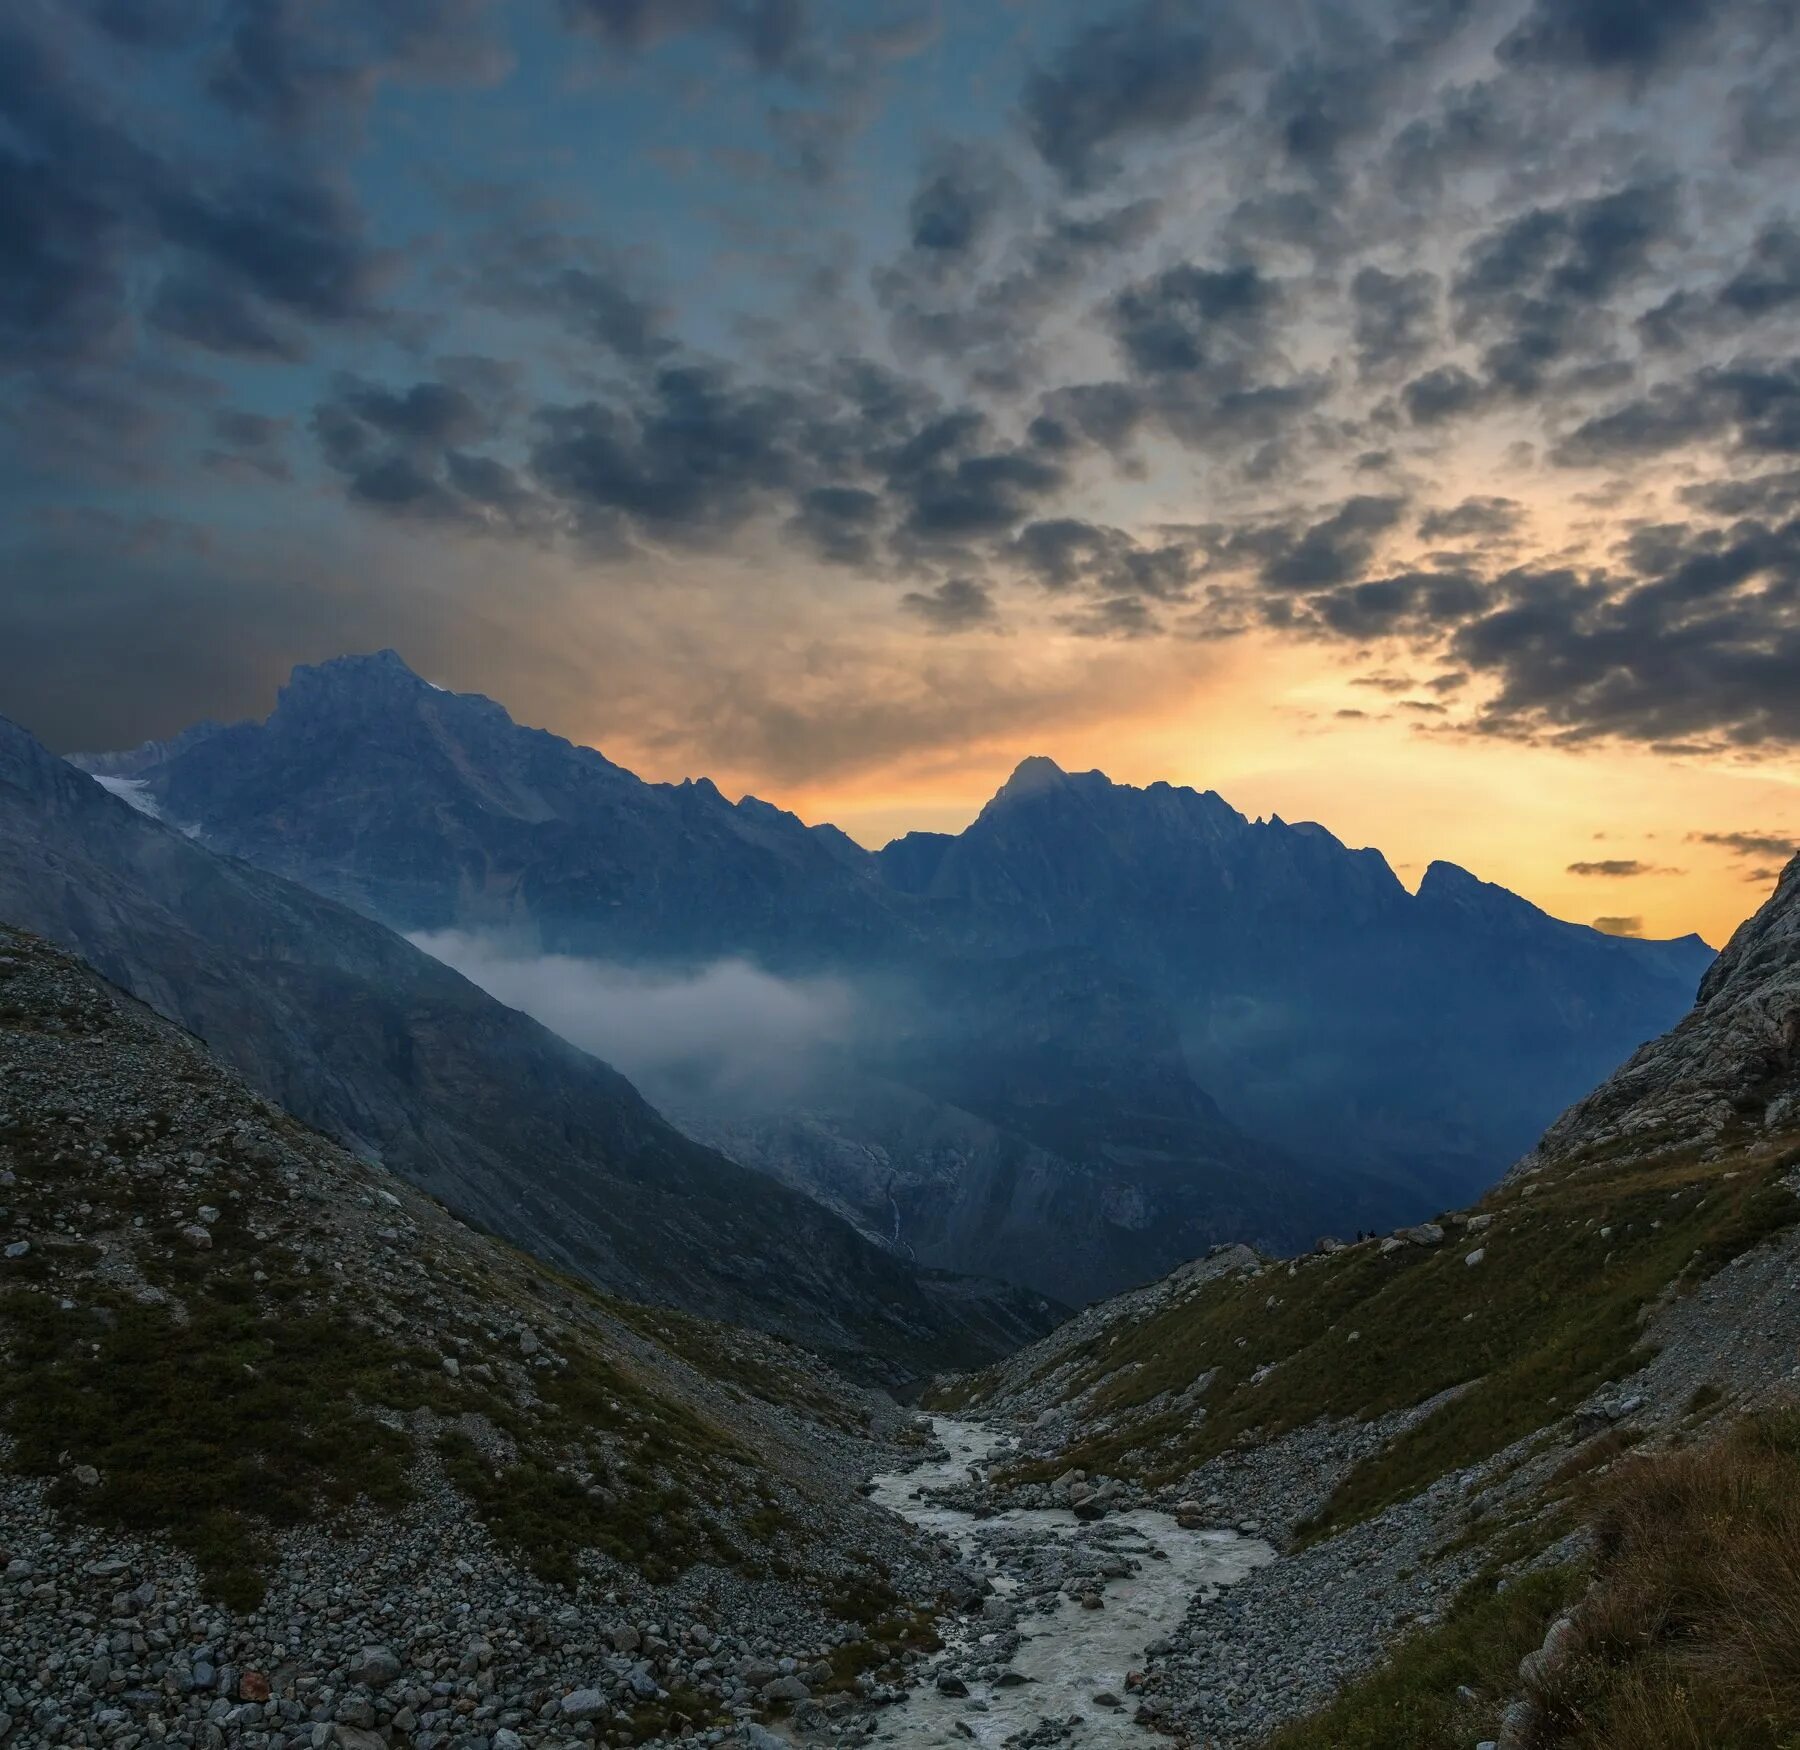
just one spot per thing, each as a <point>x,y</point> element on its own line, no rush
<point>1382,413</point>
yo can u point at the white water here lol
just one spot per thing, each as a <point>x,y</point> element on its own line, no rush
<point>1072,1654</point>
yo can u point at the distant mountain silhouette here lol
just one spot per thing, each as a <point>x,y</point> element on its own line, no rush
<point>1114,1024</point>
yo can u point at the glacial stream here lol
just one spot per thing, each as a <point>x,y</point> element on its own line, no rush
<point>1067,1655</point>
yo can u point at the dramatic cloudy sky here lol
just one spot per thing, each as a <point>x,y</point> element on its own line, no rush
<point>1387,413</point>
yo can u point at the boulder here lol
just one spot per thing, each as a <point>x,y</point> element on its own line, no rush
<point>375,1666</point>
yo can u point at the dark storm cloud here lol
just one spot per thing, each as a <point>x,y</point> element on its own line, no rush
<point>958,604</point>
<point>1750,844</point>
<point>299,246</point>
<point>1341,88</point>
<point>1766,284</point>
<point>852,463</point>
<point>1126,616</point>
<point>1761,495</point>
<point>527,267</point>
<point>1065,553</point>
<point>1466,125</point>
<point>698,453</point>
<point>1329,551</point>
<point>1443,393</point>
<point>839,523</point>
<point>974,494</point>
<point>1481,518</point>
<point>236,260</point>
<point>77,199</point>
<point>963,191</point>
<point>216,316</point>
<point>1201,346</point>
<point>1753,404</point>
<point>1190,318</point>
<point>1421,604</point>
<point>1395,316</point>
<point>247,444</point>
<point>941,302</point>
<point>1703,649</point>
<point>1146,71</point>
<point>150,24</point>
<point>405,452</point>
<point>774,34</point>
<point>296,63</point>
<point>1538,288</point>
<point>1618,868</point>
<point>1631,35</point>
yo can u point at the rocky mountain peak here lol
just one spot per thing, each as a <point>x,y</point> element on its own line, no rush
<point>1765,946</point>
<point>1728,1077</point>
<point>1032,776</point>
<point>348,687</point>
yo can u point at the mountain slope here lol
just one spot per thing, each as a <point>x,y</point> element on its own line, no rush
<point>1427,1037</point>
<point>1728,1072</point>
<point>323,1464</point>
<point>1417,1415</point>
<point>357,1032</point>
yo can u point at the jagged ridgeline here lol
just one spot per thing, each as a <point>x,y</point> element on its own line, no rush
<point>241,1368</point>
<point>1459,1424</point>
<point>1101,1029</point>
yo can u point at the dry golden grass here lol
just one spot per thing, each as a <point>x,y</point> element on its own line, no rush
<point>1690,1638</point>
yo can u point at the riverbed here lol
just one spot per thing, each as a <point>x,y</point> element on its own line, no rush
<point>1039,1652</point>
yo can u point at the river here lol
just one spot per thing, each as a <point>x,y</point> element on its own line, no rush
<point>1040,1653</point>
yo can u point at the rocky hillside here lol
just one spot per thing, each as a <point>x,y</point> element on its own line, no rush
<point>1727,1074</point>
<point>1416,1416</point>
<point>342,1022</point>
<point>289,1456</point>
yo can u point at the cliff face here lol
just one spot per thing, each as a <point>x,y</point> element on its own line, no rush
<point>1726,1076</point>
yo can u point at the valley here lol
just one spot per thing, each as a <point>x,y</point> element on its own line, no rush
<point>379,1369</point>
<point>880,875</point>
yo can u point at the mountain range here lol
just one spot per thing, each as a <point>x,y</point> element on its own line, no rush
<point>1515,1465</point>
<point>350,1027</point>
<point>1097,1031</point>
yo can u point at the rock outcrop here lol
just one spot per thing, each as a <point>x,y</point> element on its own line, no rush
<point>1726,1077</point>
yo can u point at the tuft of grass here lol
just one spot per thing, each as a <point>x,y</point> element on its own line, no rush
<point>208,1430</point>
<point>1446,1684</point>
<point>1690,1638</point>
